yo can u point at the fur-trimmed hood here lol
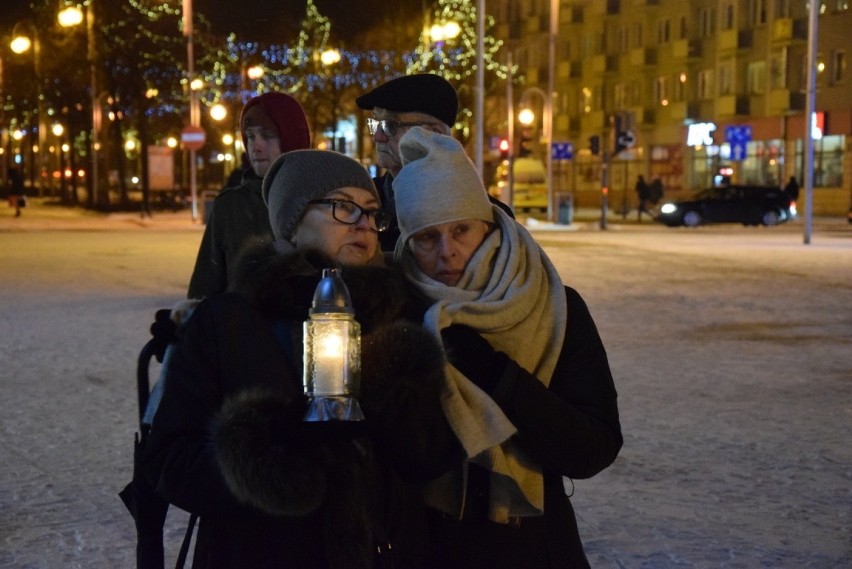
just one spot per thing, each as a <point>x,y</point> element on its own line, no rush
<point>281,283</point>
<point>276,463</point>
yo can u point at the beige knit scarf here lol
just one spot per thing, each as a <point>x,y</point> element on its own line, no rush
<point>512,295</point>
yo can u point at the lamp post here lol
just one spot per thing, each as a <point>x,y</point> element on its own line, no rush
<point>527,117</point>
<point>329,58</point>
<point>69,17</point>
<point>480,87</point>
<point>20,44</point>
<point>194,110</point>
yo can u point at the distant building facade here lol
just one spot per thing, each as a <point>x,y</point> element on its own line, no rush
<point>703,86</point>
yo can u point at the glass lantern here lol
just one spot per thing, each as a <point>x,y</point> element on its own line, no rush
<point>332,353</point>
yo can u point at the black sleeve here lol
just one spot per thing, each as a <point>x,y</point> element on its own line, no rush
<point>402,379</point>
<point>572,426</point>
<point>180,459</point>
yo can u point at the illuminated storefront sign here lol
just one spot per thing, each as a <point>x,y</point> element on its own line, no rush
<point>700,134</point>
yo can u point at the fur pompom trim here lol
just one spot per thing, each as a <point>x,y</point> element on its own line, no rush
<point>399,362</point>
<point>282,284</point>
<point>262,463</point>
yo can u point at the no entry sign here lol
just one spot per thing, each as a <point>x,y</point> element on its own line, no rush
<point>193,137</point>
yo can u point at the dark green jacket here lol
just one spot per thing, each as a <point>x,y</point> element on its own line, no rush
<point>239,218</point>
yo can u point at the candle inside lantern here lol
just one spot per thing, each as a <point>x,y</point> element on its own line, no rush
<point>327,347</point>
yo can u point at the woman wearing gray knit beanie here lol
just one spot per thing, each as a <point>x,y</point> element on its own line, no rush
<point>326,201</point>
<point>528,391</point>
<point>228,441</point>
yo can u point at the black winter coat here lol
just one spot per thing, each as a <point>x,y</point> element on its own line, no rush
<point>570,428</point>
<point>239,220</point>
<point>228,442</point>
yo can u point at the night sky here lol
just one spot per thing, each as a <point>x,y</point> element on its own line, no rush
<point>265,20</point>
<point>278,20</point>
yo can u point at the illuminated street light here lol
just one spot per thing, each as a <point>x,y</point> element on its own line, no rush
<point>74,16</point>
<point>20,44</point>
<point>255,72</point>
<point>329,58</point>
<point>443,32</point>
<point>70,16</point>
<point>218,112</point>
<point>526,117</point>
<point>172,142</point>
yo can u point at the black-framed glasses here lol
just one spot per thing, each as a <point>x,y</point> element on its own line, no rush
<point>390,127</point>
<point>350,213</point>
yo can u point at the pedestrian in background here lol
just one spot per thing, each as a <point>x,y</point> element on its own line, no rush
<point>228,441</point>
<point>17,193</point>
<point>529,390</point>
<point>426,100</point>
<point>792,189</point>
<point>271,124</point>
<point>643,192</point>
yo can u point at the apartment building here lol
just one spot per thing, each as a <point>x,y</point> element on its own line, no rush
<point>703,86</point>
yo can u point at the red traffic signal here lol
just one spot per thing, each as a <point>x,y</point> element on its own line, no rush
<point>504,148</point>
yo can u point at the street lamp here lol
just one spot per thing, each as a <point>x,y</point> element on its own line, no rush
<point>329,58</point>
<point>73,16</point>
<point>21,43</point>
<point>218,112</point>
<point>526,117</point>
<point>446,31</point>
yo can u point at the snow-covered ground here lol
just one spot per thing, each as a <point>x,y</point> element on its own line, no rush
<point>731,348</point>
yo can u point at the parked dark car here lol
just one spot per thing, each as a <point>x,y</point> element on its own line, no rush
<point>749,205</point>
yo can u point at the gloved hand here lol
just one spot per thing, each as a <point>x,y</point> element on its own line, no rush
<point>472,355</point>
<point>164,331</point>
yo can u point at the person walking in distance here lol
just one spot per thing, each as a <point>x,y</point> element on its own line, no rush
<point>643,192</point>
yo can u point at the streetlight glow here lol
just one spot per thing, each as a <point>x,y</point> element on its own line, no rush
<point>218,112</point>
<point>526,117</point>
<point>20,44</point>
<point>255,72</point>
<point>70,16</point>
<point>330,57</point>
<point>445,31</point>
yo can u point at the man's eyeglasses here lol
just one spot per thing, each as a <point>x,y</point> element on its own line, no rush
<point>390,127</point>
<point>350,213</point>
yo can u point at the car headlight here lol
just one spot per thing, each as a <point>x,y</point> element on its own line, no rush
<point>668,208</point>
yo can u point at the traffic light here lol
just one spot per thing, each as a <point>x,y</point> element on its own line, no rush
<point>504,149</point>
<point>524,148</point>
<point>622,126</point>
<point>619,134</point>
<point>595,144</point>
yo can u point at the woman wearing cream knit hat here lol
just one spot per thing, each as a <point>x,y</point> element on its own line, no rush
<point>529,392</point>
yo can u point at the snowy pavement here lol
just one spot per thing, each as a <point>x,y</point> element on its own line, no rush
<point>731,348</point>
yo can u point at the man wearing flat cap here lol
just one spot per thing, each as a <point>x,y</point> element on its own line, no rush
<point>426,100</point>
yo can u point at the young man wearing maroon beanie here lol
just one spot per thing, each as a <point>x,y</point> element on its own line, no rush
<point>271,124</point>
